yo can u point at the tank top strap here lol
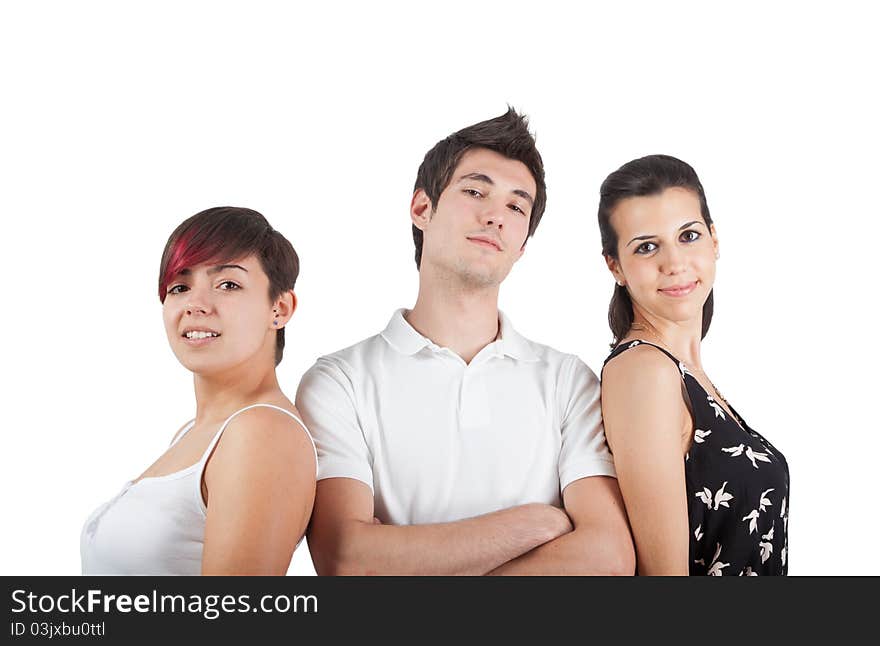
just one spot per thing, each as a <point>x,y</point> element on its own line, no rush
<point>183,431</point>
<point>623,347</point>
<point>213,443</point>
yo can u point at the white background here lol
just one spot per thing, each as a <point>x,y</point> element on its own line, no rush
<point>119,120</point>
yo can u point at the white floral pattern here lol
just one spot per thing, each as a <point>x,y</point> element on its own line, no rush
<point>753,521</point>
<point>722,498</point>
<point>766,544</point>
<point>716,566</point>
<point>735,451</point>
<point>764,502</point>
<point>756,455</point>
<point>719,412</point>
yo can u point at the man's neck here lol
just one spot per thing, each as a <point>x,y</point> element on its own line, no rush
<point>465,321</point>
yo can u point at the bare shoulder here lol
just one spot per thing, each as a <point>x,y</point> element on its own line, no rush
<point>267,432</point>
<point>639,368</point>
<point>642,398</point>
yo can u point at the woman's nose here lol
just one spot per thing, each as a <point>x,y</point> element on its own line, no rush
<point>673,261</point>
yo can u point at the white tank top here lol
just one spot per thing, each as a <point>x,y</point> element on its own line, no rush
<point>155,525</point>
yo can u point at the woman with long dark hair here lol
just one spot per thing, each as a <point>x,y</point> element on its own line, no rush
<point>704,492</point>
<point>234,491</point>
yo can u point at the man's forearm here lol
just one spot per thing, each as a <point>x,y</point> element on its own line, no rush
<point>589,550</point>
<point>472,546</point>
<point>600,543</point>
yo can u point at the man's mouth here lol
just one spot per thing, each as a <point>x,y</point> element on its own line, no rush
<point>485,241</point>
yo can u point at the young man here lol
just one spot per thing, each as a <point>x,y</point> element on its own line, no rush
<point>448,443</point>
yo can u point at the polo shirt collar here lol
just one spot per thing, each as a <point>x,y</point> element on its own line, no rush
<point>512,343</point>
<point>404,338</point>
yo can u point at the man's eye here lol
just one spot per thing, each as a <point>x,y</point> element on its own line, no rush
<point>690,236</point>
<point>228,284</point>
<point>177,289</point>
<point>646,247</point>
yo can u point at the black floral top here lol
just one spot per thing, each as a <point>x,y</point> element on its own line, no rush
<point>737,488</point>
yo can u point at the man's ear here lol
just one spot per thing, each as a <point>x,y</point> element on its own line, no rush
<point>614,268</point>
<point>420,209</point>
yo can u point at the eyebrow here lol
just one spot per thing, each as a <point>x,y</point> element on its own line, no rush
<point>218,268</point>
<point>214,270</point>
<point>648,237</point>
<point>481,177</point>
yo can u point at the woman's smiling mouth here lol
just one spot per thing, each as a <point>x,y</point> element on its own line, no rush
<point>679,290</point>
<point>199,337</point>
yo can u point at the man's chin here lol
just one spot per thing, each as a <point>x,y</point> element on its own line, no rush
<point>480,279</point>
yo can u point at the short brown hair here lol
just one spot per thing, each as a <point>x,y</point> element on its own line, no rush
<point>507,135</point>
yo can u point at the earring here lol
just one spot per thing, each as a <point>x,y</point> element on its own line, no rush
<point>620,283</point>
<point>275,322</point>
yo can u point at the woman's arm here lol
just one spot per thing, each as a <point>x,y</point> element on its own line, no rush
<point>261,488</point>
<point>645,417</point>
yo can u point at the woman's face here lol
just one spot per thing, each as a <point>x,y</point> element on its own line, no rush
<point>665,254</point>
<point>218,316</point>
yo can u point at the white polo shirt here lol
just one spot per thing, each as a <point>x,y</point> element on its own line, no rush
<point>439,440</point>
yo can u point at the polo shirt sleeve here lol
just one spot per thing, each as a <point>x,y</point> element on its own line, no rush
<point>584,451</point>
<point>325,399</point>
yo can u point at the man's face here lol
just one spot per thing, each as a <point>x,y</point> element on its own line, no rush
<point>478,227</point>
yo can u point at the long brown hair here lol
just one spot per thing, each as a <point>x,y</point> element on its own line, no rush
<point>649,175</point>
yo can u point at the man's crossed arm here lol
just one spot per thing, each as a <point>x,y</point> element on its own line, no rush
<point>528,539</point>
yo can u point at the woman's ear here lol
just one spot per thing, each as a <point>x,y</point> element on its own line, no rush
<point>283,309</point>
<point>614,268</point>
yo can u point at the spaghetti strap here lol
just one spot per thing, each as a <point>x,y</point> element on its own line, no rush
<point>623,347</point>
<point>183,430</point>
<point>219,433</point>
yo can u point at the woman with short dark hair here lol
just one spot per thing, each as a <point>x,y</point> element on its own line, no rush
<point>234,491</point>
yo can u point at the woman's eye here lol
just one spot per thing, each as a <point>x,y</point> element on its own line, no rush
<point>646,247</point>
<point>514,207</point>
<point>473,192</point>
<point>690,236</point>
<point>177,289</point>
<point>228,284</point>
